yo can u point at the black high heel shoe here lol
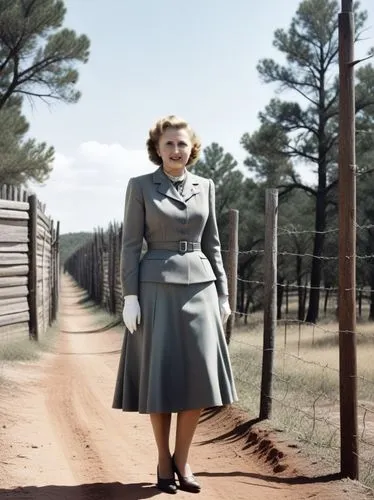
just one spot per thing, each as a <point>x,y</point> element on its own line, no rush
<point>188,483</point>
<point>167,485</point>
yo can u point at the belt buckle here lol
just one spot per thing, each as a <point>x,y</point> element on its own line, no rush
<point>183,246</point>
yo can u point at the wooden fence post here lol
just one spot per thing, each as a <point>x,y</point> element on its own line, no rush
<point>347,246</point>
<point>32,278</point>
<point>57,284</point>
<point>232,265</point>
<point>270,300</point>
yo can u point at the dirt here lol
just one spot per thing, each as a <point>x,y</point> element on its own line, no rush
<point>60,439</point>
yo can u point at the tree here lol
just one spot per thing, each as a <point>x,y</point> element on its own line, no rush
<point>20,160</point>
<point>235,191</point>
<point>309,125</point>
<point>221,167</point>
<point>266,159</point>
<point>271,167</point>
<point>71,242</point>
<point>37,60</point>
<point>37,55</point>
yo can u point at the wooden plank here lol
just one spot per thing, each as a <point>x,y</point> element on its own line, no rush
<point>14,270</point>
<point>45,258</point>
<point>41,265</point>
<point>14,205</point>
<point>8,281</point>
<point>14,223</point>
<point>7,246</point>
<point>41,268</point>
<point>46,255</point>
<point>11,319</point>
<point>44,218</point>
<point>13,291</point>
<point>9,259</point>
<point>13,214</point>
<point>13,300</point>
<point>43,231</point>
<point>17,307</point>
<point>43,241</point>
<point>45,264</point>
<point>13,234</point>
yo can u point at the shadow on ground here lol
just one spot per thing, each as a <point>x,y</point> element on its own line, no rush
<point>137,491</point>
<point>299,479</point>
<point>94,491</point>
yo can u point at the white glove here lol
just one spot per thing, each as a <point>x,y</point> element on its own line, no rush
<point>131,313</point>
<point>224,308</point>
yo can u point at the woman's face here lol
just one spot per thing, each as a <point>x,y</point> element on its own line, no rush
<point>174,148</point>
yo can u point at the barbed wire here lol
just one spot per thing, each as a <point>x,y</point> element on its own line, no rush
<point>285,353</point>
<point>245,252</point>
<point>318,428</point>
<point>284,253</point>
<point>288,231</point>
<point>325,330</point>
<point>308,287</point>
<point>317,397</point>
<point>289,285</point>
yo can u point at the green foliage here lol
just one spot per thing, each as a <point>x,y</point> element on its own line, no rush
<point>38,59</point>
<point>220,167</point>
<point>37,56</point>
<point>232,189</point>
<point>306,129</point>
<point>266,160</point>
<point>21,160</point>
<point>71,242</point>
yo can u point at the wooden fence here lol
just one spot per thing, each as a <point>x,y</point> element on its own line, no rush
<point>29,266</point>
<point>96,267</point>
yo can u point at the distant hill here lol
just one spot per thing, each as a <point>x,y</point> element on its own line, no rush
<point>70,242</point>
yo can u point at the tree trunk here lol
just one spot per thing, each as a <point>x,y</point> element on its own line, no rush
<point>280,290</point>
<point>300,290</point>
<point>371,312</point>
<point>241,297</point>
<point>246,308</point>
<point>305,296</point>
<point>316,271</point>
<point>327,294</point>
<point>360,303</point>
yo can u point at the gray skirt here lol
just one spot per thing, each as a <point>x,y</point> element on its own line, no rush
<point>177,359</point>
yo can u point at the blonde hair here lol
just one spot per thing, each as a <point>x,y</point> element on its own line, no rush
<point>159,128</point>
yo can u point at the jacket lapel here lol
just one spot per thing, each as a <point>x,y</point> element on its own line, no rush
<point>191,187</point>
<point>165,187</point>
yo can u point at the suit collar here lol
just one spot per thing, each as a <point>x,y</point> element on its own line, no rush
<point>191,186</point>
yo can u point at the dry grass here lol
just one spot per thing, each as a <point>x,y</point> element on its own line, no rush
<point>306,384</point>
<point>26,349</point>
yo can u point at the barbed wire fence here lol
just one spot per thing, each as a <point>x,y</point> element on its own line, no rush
<point>289,369</point>
<point>286,368</point>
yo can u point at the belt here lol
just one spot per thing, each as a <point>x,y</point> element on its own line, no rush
<point>181,246</point>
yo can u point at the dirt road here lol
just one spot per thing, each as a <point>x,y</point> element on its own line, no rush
<point>60,439</point>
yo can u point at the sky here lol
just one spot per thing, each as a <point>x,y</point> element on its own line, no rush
<point>195,59</point>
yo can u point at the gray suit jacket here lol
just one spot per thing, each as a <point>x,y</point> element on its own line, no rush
<point>155,211</point>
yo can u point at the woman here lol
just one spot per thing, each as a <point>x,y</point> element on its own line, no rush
<point>174,357</point>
